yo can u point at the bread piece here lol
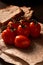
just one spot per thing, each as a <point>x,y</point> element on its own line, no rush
<point>28,12</point>
<point>9,12</point>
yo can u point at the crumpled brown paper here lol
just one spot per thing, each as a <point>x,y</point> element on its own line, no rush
<point>10,57</point>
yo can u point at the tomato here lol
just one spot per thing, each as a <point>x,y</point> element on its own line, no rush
<point>22,41</point>
<point>35,29</point>
<point>12,24</point>
<point>8,36</point>
<point>23,30</point>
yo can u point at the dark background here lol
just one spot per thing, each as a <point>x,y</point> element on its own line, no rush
<point>31,3</point>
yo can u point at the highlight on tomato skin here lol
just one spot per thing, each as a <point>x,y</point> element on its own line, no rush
<point>22,41</point>
<point>35,29</point>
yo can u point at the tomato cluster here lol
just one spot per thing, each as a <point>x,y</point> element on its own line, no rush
<point>18,33</point>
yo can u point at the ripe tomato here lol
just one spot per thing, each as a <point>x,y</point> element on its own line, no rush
<point>23,30</point>
<point>12,24</point>
<point>8,36</point>
<point>22,41</point>
<point>35,29</point>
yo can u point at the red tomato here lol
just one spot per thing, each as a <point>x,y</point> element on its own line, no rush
<point>23,30</point>
<point>35,29</point>
<point>22,41</point>
<point>13,24</point>
<point>8,36</point>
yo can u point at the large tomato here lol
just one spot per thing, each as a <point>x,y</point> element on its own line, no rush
<point>22,41</point>
<point>35,29</point>
<point>8,36</point>
<point>23,30</point>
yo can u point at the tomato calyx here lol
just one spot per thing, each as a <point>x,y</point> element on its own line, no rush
<point>13,29</point>
<point>23,26</point>
<point>34,21</point>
